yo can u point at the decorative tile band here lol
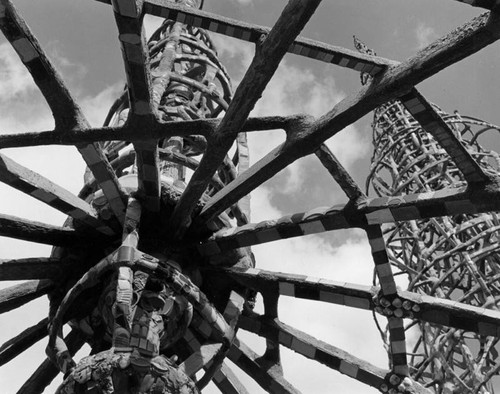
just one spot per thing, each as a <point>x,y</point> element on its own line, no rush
<point>252,33</point>
<point>432,122</point>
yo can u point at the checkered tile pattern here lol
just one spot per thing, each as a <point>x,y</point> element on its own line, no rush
<point>234,308</point>
<point>148,174</point>
<point>224,378</point>
<point>398,346</point>
<point>306,287</point>
<point>268,378</point>
<point>446,312</point>
<point>252,33</point>
<point>199,358</point>
<point>311,348</point>
<point>43,190</point>
<point>444,202</point>
<point>227,381</point>
<point>381,260</point>
<point>129,21</point>
<point>106,178</point>
<point>431,122</point>
<point>311,222</point>
<point>430,309</point>
<point>210,356</point>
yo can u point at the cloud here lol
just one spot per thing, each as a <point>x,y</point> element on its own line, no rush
<point>349,329</point>
<point>293,90</point>
<point>14,80</point>
<point>95,108</point>
<point>424,35</point>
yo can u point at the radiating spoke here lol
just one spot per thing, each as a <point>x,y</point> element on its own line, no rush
<point>44,190</point>
<point>202,356</point>
<point>483,321</point>
<point>33,268</point>
<point>269,379</point>
<point>67,114</point>
<point>397,338</point>
<point>339,173</point>
<point>444,202</point>
<point>312,348</point>
<point>252,33</point>
<point>131,132</point>
<point>431,121</point>
<point>15,346</point>
<point>381,260</point>
<point>129,19</point>
<point>15,296</point>
<point>303,286</point>
<point>27,230</point>
<point>315,221</point>
<point>148,174</point>
<point>396,81</point>
<point>403,304</point>
<point>266,61</point>
<point>227,381</point>
<point>232,314</point>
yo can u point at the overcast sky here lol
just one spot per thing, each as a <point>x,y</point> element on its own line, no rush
<point>81,39</point>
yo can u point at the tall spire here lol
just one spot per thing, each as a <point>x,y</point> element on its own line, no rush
<point>454,258</point>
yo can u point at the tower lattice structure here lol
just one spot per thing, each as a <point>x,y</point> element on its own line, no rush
<point>455,258</point>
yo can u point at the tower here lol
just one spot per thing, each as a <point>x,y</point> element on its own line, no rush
<point>453,257</point>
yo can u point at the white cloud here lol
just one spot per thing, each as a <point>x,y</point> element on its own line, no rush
<point>294,90</point>
<point>14,80</point>
<point>349,329</point>
<point>424,35</point>
<point>95,108</point>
